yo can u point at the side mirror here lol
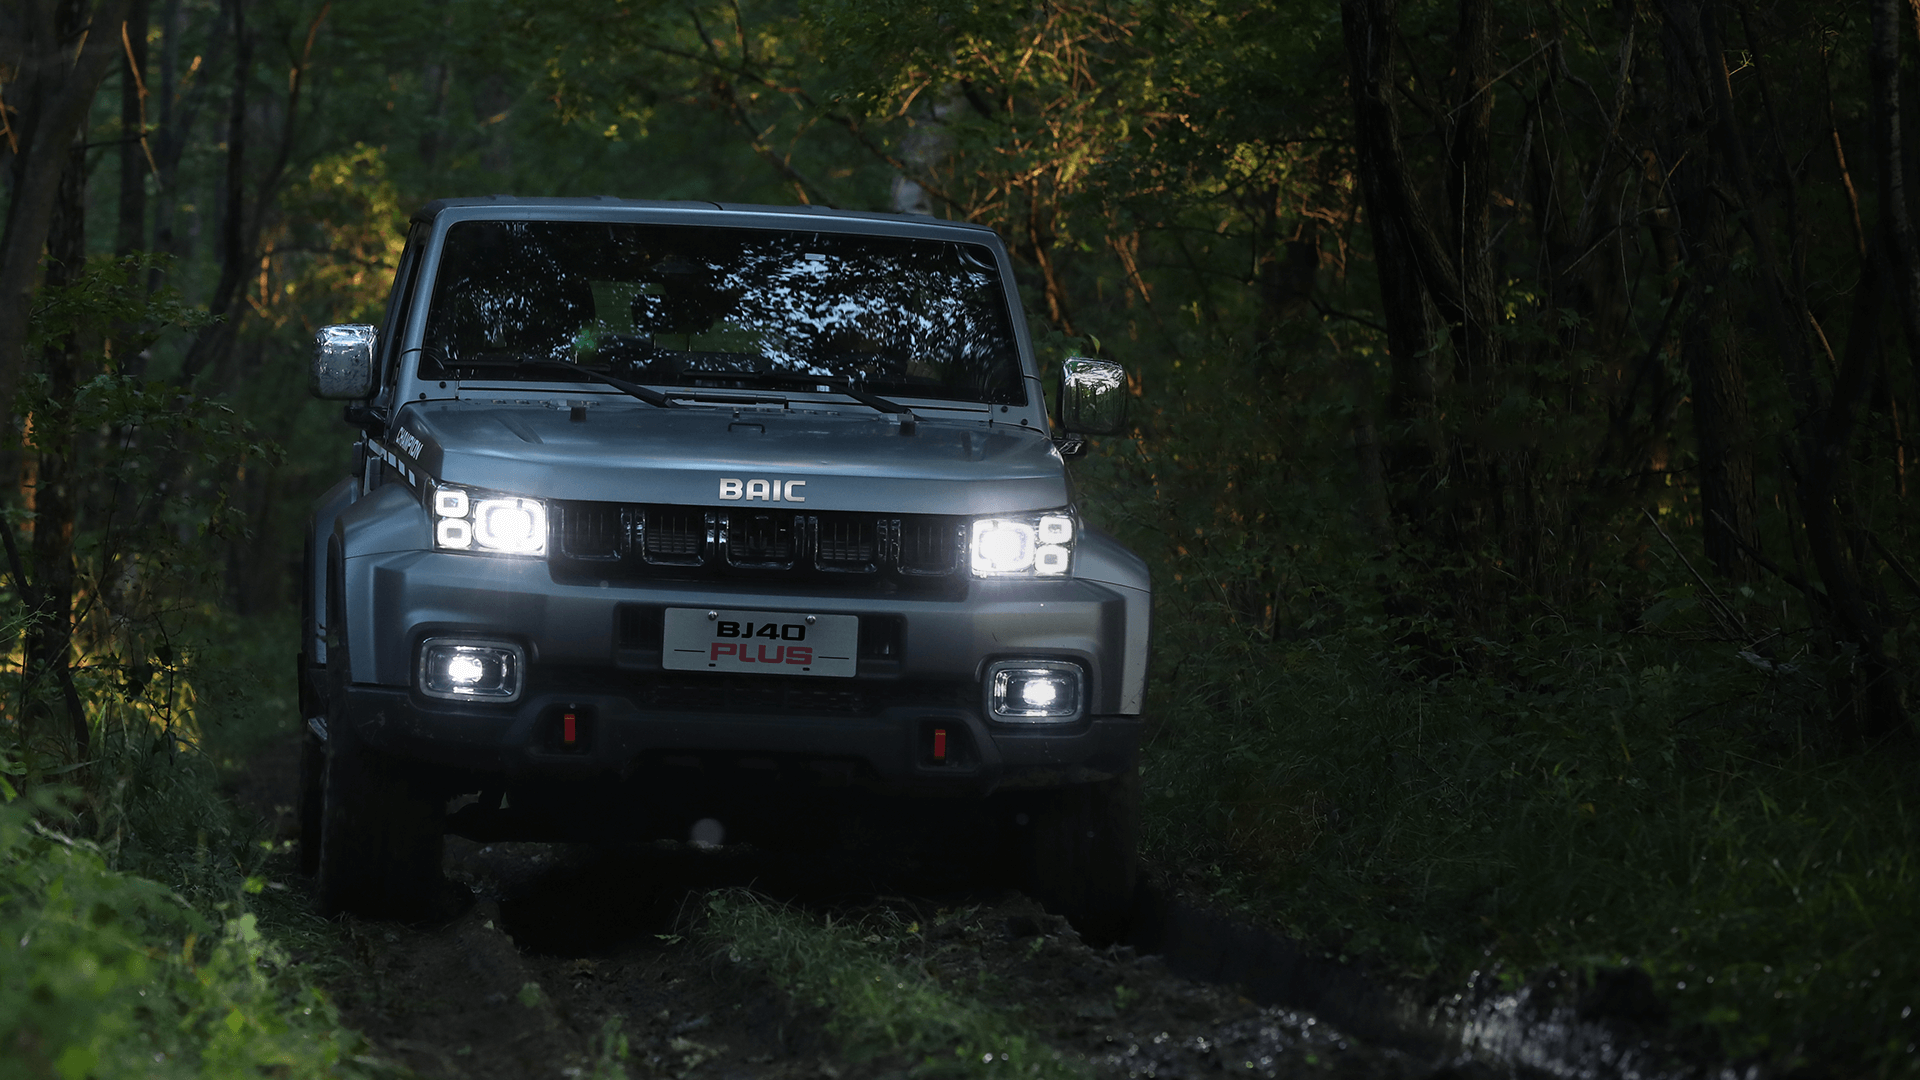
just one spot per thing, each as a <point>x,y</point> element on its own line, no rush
<point>1093,396</point>
<point>343,361</point>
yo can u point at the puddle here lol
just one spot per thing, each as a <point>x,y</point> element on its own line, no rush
<point>1550,1027</point>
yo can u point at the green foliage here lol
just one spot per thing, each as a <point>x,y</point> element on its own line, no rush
<point>1639,774</point>
<point>131,895</point>
<point>114,975</point>
<point>1569,796</point>
<point>1519,734</point>
<point>148,471</point>
<point>608,1050</point>
<point>878,1006</point>
<point>110,297</point>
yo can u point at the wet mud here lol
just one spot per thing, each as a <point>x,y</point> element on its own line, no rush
<point>568,953</point>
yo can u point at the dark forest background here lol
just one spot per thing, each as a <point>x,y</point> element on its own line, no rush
<point>1523,395</point>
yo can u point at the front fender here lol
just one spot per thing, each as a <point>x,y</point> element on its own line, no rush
<point>386,520</point>
<point>1099,557</point>
<point>313,573</point>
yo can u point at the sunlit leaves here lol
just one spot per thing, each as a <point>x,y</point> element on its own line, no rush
<point>346,225</point>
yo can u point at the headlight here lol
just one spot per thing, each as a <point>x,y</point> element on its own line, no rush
<point>466,520</point>
<point>1037,545</point>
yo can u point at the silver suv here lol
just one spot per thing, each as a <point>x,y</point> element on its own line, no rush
<point>668,512</point>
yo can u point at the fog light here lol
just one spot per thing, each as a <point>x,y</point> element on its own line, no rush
<point>1034,691</point>
<point>461,670</point>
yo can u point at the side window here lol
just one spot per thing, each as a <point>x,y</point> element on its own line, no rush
<point>396,306</point>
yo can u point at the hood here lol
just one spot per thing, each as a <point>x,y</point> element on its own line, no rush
<point>693,456</point>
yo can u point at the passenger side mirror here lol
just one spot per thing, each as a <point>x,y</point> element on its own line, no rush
<point>343,361</point>
<point>1093,396</point>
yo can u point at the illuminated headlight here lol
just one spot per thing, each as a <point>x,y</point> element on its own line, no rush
<point>1034,691</point>
<point>466,520</point>
<point>1027,546</point>
<point>464,670</point>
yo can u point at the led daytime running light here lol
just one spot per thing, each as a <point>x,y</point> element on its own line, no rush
<point>1038,545</point>
<point>464,520</point>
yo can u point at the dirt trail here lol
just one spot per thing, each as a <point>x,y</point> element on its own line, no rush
<point>568,949</point>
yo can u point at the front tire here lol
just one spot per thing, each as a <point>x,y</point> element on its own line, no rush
<point>313,765</point>
<point>1080,854</point>
<point>381,834</point>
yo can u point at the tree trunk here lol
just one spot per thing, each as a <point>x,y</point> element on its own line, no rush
<point>1416,446</point>
<point>53,91</point>
<point>1874,707</point>
<point>1826,415</point>
<point>1709,345</point>
<point>133,135</point>
<point>214,339</point>
<point>50,640</point>
<point>1469,194</point>
<point>1884,117</point>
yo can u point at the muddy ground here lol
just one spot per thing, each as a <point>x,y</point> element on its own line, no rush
<point>566,949</point>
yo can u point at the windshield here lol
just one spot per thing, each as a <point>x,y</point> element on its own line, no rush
<point>680,305</point>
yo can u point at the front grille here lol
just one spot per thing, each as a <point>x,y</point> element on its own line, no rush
<point>625,542</point>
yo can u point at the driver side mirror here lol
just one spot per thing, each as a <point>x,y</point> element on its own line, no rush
<point>1093,396</point>
<point>343,362</point>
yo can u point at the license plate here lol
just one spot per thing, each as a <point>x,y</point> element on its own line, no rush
<point>760,642</point>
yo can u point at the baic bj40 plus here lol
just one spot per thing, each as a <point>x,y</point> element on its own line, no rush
<point>669,511</point>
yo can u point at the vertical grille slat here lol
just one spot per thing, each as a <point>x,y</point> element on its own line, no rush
<point>760,541</point>
<point>929,546</point>
<point>847,542</point>
<point>591,531</point>
<point>673,536</point>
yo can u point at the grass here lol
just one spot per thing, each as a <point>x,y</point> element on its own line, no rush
<point>113,974</point>
<point>1579,802</point>
<point>879,1005</point>
<point>1492,782</point>
<point>147,940</point>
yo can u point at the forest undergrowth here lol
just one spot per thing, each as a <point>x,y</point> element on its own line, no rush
<point>148,938</point>
<point>1613,782</point>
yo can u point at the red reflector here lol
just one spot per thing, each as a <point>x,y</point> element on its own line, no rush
<point>939,744</point>
<point>566,728</point>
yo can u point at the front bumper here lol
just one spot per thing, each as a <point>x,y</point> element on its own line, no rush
<point>587,649</point>
<point>890,749</point>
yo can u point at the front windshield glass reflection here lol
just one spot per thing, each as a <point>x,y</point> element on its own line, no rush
<point>729,308</point>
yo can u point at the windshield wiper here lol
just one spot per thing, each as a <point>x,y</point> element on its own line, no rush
<point>880,404</point>
<point>840,384</point>
<point>650,396</point>
<point>647,394</point>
